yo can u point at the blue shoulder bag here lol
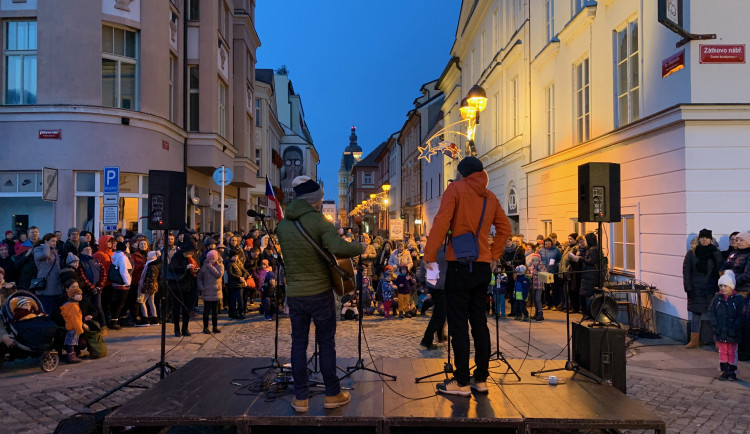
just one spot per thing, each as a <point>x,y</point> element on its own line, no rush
<point>466,246</point>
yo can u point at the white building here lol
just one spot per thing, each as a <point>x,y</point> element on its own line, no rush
<point>571,82</point>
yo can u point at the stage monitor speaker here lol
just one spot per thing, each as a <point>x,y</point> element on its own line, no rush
<point>601,351</point>
<point>166,199</point>
<point>599,192</point>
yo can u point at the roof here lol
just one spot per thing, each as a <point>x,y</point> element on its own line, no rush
<point>369,160</point>
<point>264,75</point>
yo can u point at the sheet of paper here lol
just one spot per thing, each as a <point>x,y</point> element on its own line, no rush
<point>432,275</point>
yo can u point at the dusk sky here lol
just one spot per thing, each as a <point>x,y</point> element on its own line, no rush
<point>355,63</point>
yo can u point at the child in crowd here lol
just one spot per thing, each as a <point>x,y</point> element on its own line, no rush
<point>405,283</point>
<point>520,292</point>
<point>537,285</point>
<point>26,308</point>
<point>74,325</point>
<point>209,284</point>
<point>725,314</point>
<point>498,292</point>
<point>268,296</point>
<point>387,290</point>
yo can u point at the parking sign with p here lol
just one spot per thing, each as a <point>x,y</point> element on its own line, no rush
<point>111,180</point>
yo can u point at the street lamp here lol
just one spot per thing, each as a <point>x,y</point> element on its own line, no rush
<point>386,188</point>
<point>471,106</point>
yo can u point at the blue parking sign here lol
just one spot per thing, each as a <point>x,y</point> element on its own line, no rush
<point>111,180</point>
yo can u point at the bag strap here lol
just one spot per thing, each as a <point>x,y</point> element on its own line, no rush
<point>481,218</point>
<point>328,258</point>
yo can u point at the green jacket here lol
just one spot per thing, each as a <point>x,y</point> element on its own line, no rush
<point>307,273</point>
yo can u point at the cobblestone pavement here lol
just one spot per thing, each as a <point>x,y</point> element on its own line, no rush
<point>676,383</point>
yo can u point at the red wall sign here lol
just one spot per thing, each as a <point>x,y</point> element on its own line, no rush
<point>722,53</point>
<point>50,134</point>
<point>165,145</point>
<point>672,64</point>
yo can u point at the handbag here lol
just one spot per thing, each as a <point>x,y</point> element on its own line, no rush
<point>40,282</point>
<point>114,275</point>
<point>466,246</point>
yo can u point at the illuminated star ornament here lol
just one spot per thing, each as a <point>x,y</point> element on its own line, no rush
<point>447,148</point>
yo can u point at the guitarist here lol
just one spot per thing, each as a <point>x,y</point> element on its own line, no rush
<point>308,288</point>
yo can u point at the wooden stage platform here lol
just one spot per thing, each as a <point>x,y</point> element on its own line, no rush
<point>209,391</point>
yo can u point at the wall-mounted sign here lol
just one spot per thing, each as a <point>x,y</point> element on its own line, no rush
<point>722,53</point>
<point>49,185</point>
<point>50,134</point>
<point>670,14</point>
<point>165,145</point>
<point>396,229</point>
<point>672,64</point>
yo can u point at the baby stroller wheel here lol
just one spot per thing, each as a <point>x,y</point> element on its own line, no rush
<point>49,361</point>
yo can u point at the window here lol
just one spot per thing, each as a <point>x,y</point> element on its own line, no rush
<point>258,122</point>
<point>248,136</point>
<point>626,74</point>
<point>222,19</point>
<point>194,10</point>
<point>581,101</point>
<point>549,108</point>
<point>514,106</point>
<point>172,80</point>
<point>119,60</point>
<point>258,160</point>
<point>88,208</point>
<point>623,243</point>
<point>367,178</point>
<point>577,5</point>
<point>193,99</point>
<point>222,109</point>
<point>19,62</point>
<point>549,9</point>
<point>547,225</point>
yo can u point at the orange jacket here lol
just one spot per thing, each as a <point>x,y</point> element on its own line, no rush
<point>104,255</point>
<point>460,210</point>
<point>71,312</point>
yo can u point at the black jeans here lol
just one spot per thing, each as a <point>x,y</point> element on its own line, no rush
<point>180,304</point>
<point>119,297</point>
<point>466,293</point>
<point>438,316</point>
<point>210,307</point>
<point>321,309</point>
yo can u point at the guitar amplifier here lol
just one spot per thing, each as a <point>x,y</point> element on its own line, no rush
<point>601,351</point>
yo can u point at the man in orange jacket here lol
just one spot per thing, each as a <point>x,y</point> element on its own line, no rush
<point>466,284</point>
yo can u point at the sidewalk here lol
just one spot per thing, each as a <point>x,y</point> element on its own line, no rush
<point>678,384</point>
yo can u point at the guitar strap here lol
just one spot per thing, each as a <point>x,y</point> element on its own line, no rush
<point>328,258</point>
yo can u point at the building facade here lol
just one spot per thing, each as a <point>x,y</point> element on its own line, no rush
<point>352,155</point>
<point>135,84</point>
<point>364,183</point>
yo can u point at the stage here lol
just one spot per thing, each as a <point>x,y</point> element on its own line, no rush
<point>209,391</point>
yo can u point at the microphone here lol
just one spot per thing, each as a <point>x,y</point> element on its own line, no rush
<point>255,214</point>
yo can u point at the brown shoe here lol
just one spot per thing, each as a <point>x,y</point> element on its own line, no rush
<point>339,400</point>
<point>694,341</point>
<point>300,405</point>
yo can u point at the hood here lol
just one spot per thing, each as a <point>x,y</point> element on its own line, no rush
<point>478,181</point>
<point>297,208</point>
<point>103,244</point>
<point>591,240</point>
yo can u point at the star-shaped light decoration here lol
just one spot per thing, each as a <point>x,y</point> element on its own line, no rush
<point>426,152</point>
<point>447,148</point>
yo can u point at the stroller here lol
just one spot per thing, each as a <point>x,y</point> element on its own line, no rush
<point>33,337</point>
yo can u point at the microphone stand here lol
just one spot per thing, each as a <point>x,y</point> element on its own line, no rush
<point>360,365</point>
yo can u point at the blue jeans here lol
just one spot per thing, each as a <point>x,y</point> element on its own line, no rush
<point>499,297</point>
<point>321,309</point>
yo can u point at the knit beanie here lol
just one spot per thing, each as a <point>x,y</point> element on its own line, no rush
<point>23,303</point>
<point>470,165</point>
<point>73,290</point>
<point>270,275</point>
<point>521,269</point>
<point>71,258</point>
<point>705,233</point>
<point>307,189</point>
<point>727,279</point>
<point>536,256</point>
<point>573,235</point>
<point>212,255</point>
<point>71,230</point>
<point>744,235</point>
<point>82,246</point>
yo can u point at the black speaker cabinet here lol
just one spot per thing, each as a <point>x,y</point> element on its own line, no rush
<point>601,351</point>
<point>599,192</point>
<point>166,199</point>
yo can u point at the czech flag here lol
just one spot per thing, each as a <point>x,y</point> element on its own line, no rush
<point>272,196</point>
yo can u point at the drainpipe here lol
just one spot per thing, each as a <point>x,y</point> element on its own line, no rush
<point>185,96</point>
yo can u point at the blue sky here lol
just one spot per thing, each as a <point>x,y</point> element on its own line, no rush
<point>355,62</point>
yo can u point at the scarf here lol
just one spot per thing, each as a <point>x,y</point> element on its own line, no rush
<point>704,254</point>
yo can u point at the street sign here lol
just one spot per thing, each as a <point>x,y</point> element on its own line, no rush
<point>228,176</point>
<point>230,207</point>
<point>110,227</point>
<point>110,199</point>
<point>49,184</point>
<point>110,215</point>
<point>111,180</point>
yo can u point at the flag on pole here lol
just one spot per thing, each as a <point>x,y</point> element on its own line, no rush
<point>272,196</point>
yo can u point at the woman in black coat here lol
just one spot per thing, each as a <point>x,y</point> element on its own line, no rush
<point>739,262</point>
<point>700,272</point>
<point>590,272</point>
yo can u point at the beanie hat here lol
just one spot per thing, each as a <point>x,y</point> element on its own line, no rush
<point>121,247</point>
<point>23,303</point>
<point>73,290</point>
<point>389,268</point>
<point>71,258</point>
<point>744,235</point>
<point>520,269</point>
<point>536,256</point>
<point>71,230</point>
<point>187,245</point>
<point>82,246</point>
<point>307,189</point>
<point>249,242</point>
<point>573,235</point>
<point>209,240</point>
<point>727,279</point>
<point>705,233</point>
<point>8,233</point>
<point>269,276</point>
<point>469,165</point>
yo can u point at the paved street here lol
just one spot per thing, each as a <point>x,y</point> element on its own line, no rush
<point>677,383</point>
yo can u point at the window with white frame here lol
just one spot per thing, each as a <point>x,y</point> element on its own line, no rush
<point>88,208</point>
<point>627,77</point>
<point>222,109</point>
<point>496,119</point>
<point>19,62</point>
<point>514,127</point>
<point>549,111</point>
<point>222,19</point>
<point>495,31</point>
<point>549,14</point>
<point>367,178</point>
<point>172,81</point>
<point>623,244</point>
<point>258,122</point>
<point>581,99</point>
<point>483,53</point>
<point>193,98</point>
<point>577,5</point>
<point>119,62</point>
<point>547,226</point>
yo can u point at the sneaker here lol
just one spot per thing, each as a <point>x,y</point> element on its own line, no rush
<point>300,405</point>
<point>269,318</point>
<point>724,376</point>
<point>339,400</point>
<point>479,386</point>
<point>453,388</point>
